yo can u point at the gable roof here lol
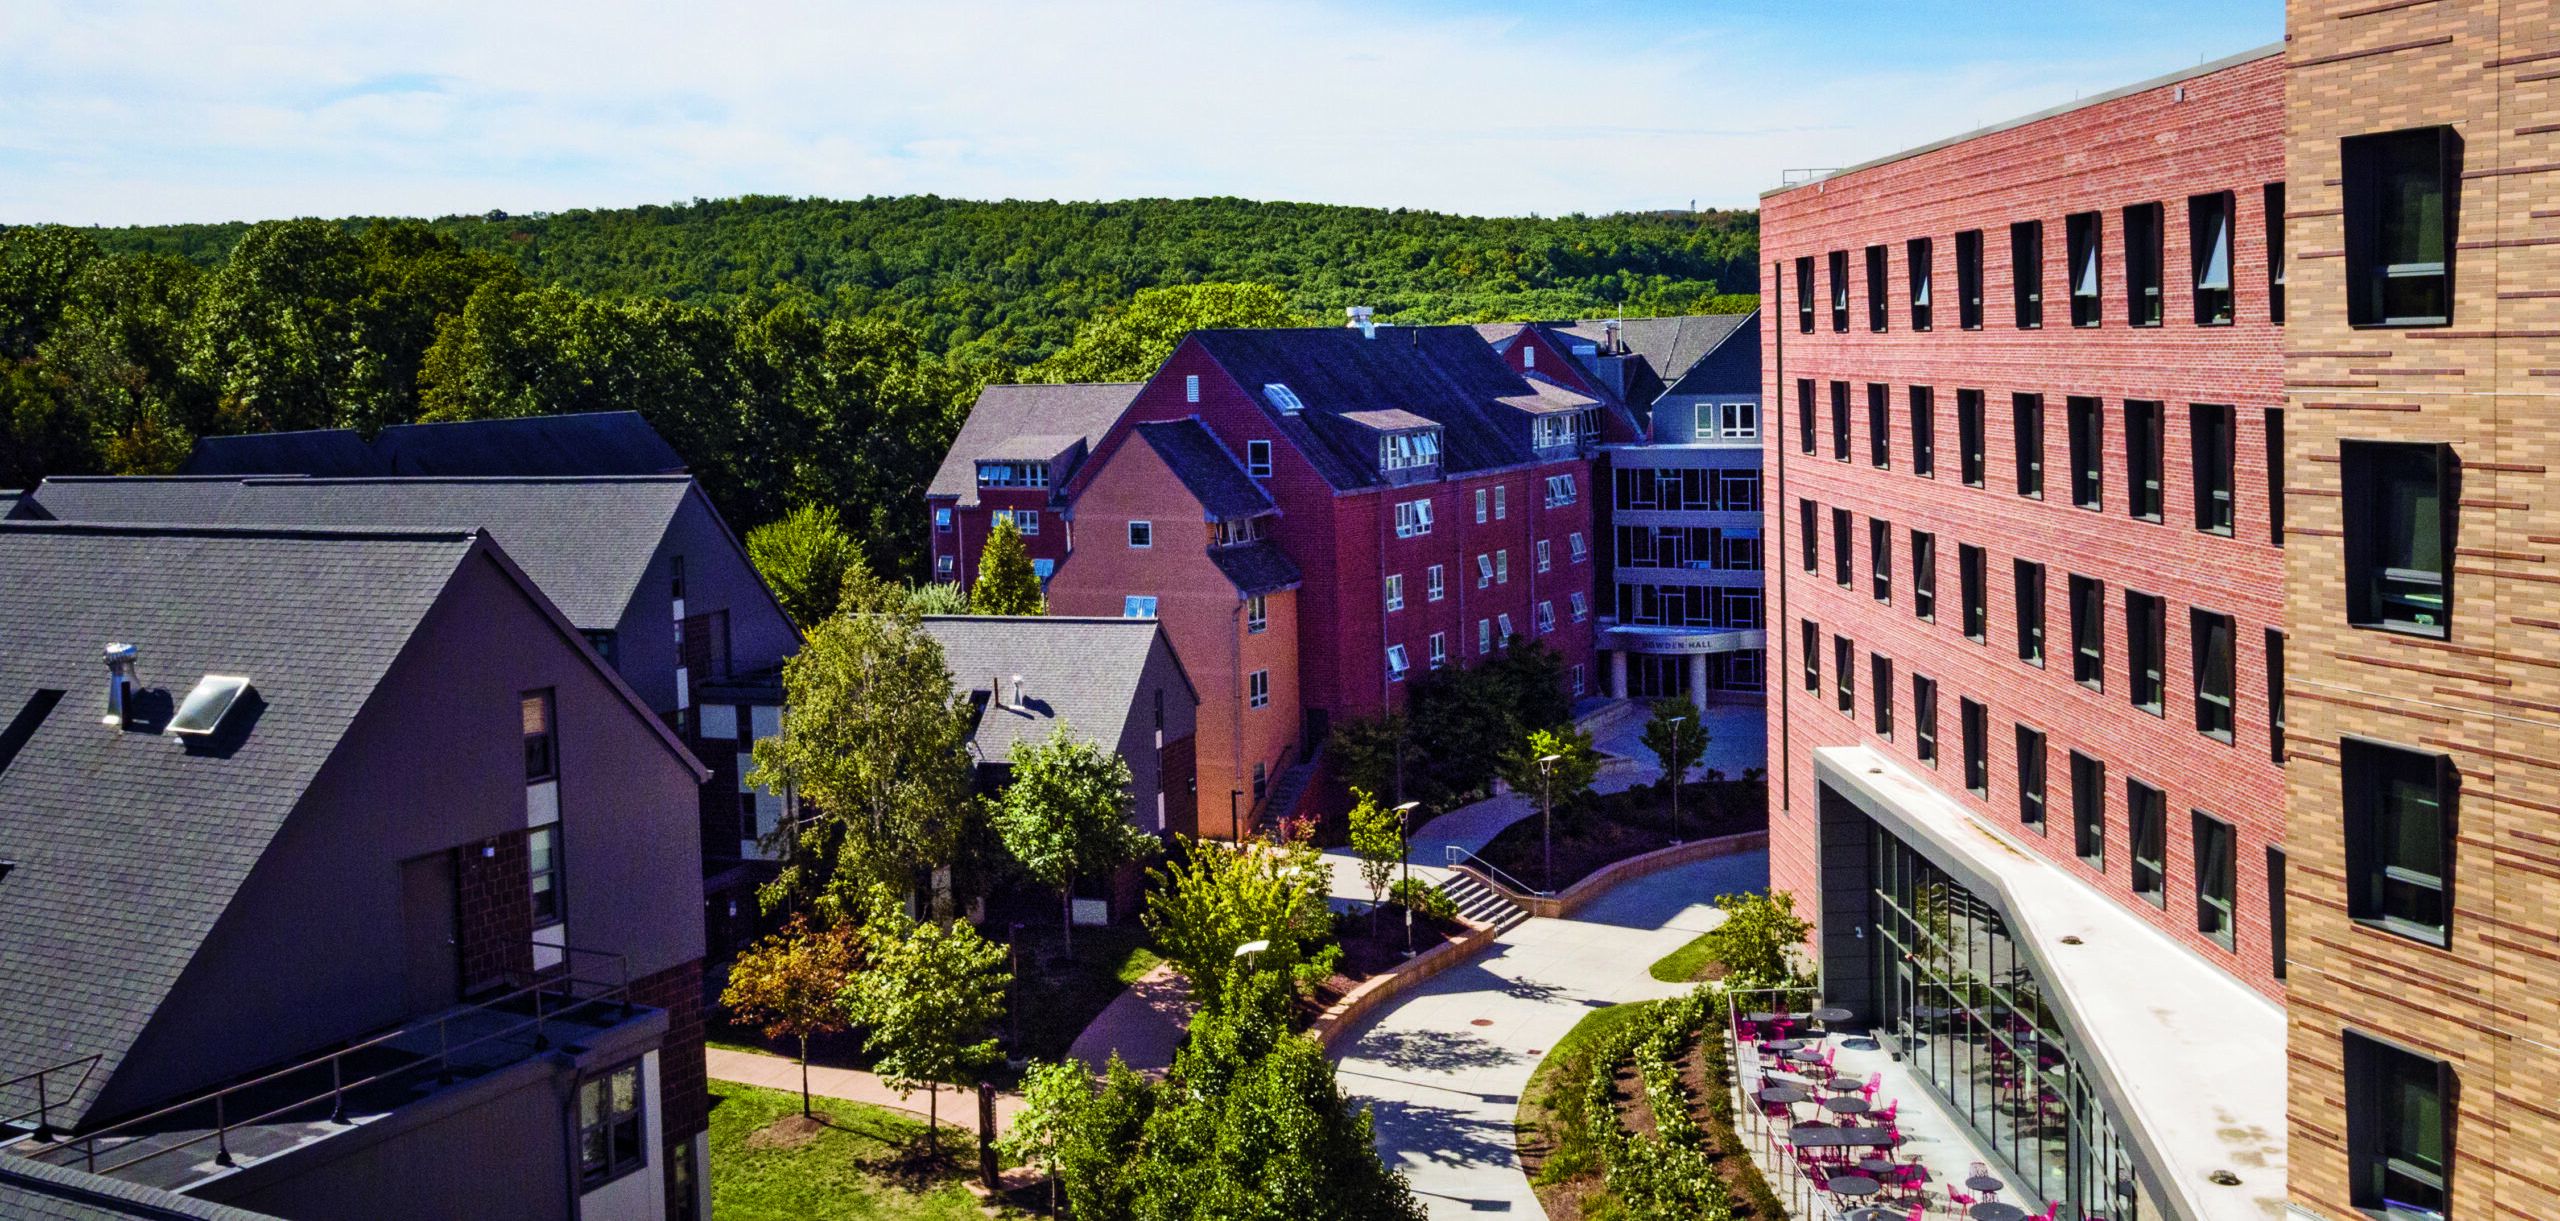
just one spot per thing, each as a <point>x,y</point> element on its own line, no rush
<point>580,443</point>
<point>1004,418</point>
<point>1206,468</point>
<point>586,541</point>
<point>1446,375</point>
<point>36,1191</point>
<point>1258,567</point>
<point>1669,348</point>
<point>1084,672</point>
<point>1731,365</point>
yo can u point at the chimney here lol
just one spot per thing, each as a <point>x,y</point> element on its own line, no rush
<point>1363,317</point>
<point>1017,692</point>
<point>123,673</point>
<point>1609,330</point>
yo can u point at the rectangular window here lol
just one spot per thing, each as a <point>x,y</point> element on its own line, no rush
<point>1879,426</point>
<point>1257,459</point>
<point>1257,614</point>
<point>1501,501</point>
<point>1804,413</point>
<point>2087,424</point>
<point>1435,584</point>
<point>612,1126</point>
<point>1804,294</point>
<point>1880,557</point>
<point>2143,459</point>
<point>1142,534</point>
<point>1840,420</point>
<point>1581,605</point>
<point>1439,649</point>
<point>1191,388</point>
<point>1398,661</point>
<point>2080,233</point>
<point>2275,270</point>
<point>2027,416</point>
<point>1969,279</point>
<point>1812,638</point>
<point>1810,539</point>
<point>2210,635</point>
<point>1844,672</point>
<point>2030,596</point>
<point>1484,571</point>
<point>1976,722</point>
<point>2399,838</point>
<point>1027,521</point>
<point>1258,688</point>
<point>1924,719</point>
<point>1395,591</point>
<point>1917,254</point>
<point>1502,566</point>
<point>2031,779</point>
<point>2399,196</point>
<point>2275,911</point>
<point>1875,288</point>
<point>2089,811</point>
<point>2146,812</point>
<point>2146,642</point>
<point>2273,422</point>
<point>1839,290</point>
<point>1546,554</point>
<point>2210,426</point>
<point>1138,606</point>
<point>1973,581</point>
<point>542,848</point>
<point>1502,629</point>
<point>2142,262</point>
<point>1840,553</point>
<point>2400,1109</point>
<point>1880,671</point>
<point>1482,498</point>
<point>942,520</point>
<point>2215,879</point>
<point>1924,576</point>
<point>2026,272</point>
<point>1484,635</point>
<point>2399,520</point>
<point>541,746</point>
<point>1924,432</point>
<point>1969,436</point>
<point>1581,551</point>
<point>2209,248</point>
<point>1546,616</point>
<point>2275,695</point>
<point>2088,633</point>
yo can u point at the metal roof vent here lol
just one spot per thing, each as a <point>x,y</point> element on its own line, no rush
<point>1363,317</point>
<point>1616,345</point>
<point>1017,692</point>
<point>123,674</point>
<point>205,706</point>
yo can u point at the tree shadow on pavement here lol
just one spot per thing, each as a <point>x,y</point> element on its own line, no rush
<point>1431,1051</point>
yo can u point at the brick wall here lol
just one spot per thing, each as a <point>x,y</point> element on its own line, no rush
<point>496,921</point>
<point>2216,132</point>
<point>684,1087</point>
<point>2489,694</point>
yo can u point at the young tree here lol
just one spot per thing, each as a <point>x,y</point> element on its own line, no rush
<point>1758,940</point>
<point>1006,583</point>
<point>1066,815</point>
<point>876,749</point>
<point>939,598</point>
<point>1377,838</point>
<point>1568,780</point>
<point>792,985</point>
<point>1055,1099</point>
<point>805,558</point>
<point>931,997</point>
<point>1216,898</point>
<point>1677,735</point>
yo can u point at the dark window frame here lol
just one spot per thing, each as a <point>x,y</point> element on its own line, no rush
<point>2384,890</point>
<point>2217,878</point>
<point>1844,674</point>
<point>1804,293</point>
<point>1880,681</point>
<point>2214,679</point>
<point>2395,1150</point>
<point>1840,421</point>
<point>1876,304</point>
<point>1811,635</point>
<point>2028,590</point>
<point>2144,224</point>
<point>2089,810</point>
<point>1880,426</point>
<point>1973,581</point>
<point>2026,273</point>
<point>2146,652</point>
<point>546,876</point>
<point>2214,444</point>
<point>2275,911</point>
<point>2085,428</point>
<point>2365,173</point>
<point>1839,269</point>
<point>613,1142</point>
<point>1804,414</point>
<point>1924,576</point>
<point>2033,749</point>
<point>541,745</point>
<point>2216,304</point>
<point>1924,719</point>
<point>2146,810</point>
<point>1808,527</point>
<point>2381,595</point>
<point>1919,260</point>
<point>1972,457</point>
<point>2271,422</point>
<point>2275,696</point>
<point>2146,424</point>
<point>1924,431</point>
<point>2026,422</point>
<point>2088,597</point>
<point>2272,199</point>
<point>1974,725</point>
<point>1843,560</point>
<point>1880,559</point>
<point>1969,279</point>
<point>2083,233</point>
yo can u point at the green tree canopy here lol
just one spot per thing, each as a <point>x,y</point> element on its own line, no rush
<point>1065,815</point>
<point>805,558</point>
<point>1214,898</point>
<point>1007,585</point>
<point>1567,781</point>
<point>1377,839</point>
<point>1677,735</point>
<point>791,985</point>
<point>932,993</point>
<point>1759,940</point>
<point>1126,344</point>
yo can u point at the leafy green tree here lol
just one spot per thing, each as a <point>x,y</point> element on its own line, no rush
<point>805,558</point>
<point>1212,899</point>
<point>1759,940</point>
<point>1056,1100</point>
<point>1567,781</point>
<point>1423,899</point>
<point>1678,736</point>
<point>279,337</point>
<point>931,996</point>
<point>38,265</point>
<point>1101,1141</point>
<point>1364,750</point>
<point>876,750</point>
<point>1130,342</point>
<point>1377,838</point>
<point>1006,583</point>
<point>1065,815</point>
<point>1463,721</point>
<point>792,984</point>
<point>939,598</point>
<point>1529,676</point>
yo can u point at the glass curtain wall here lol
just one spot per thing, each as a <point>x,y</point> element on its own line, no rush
<point>1974,1025</point>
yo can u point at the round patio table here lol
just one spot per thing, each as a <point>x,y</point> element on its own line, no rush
<point>1784,1044</point>
<point>1873,1213</point>
<point>1985,1182</point>
<point>1994,1210</point>
<point>1878,1166</point>
<point>1845,1105</point>
<point>1846,1184</point>
<point>1831,1013</point>
<point>1762,1017</point>
<point>1782,1095</point>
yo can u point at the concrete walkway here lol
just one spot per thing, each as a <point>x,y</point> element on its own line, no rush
<point>959,1106</point>
<point>1145,1024</point>
<point>1444,1067</point>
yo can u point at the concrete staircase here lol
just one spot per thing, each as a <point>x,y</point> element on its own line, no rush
<point>1286,792</point>
<point>1481,903</point>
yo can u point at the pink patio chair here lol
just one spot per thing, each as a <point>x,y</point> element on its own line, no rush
<point>1875,1081</point>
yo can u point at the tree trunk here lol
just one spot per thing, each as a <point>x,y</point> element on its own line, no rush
<point>933,1118</point>
<point>1067,896</point>
<point>804,1076</point>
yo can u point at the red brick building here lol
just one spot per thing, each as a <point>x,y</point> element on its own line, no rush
<point>2025,400</point>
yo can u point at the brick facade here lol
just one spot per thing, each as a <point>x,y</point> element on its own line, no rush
<point>496,918</point>
<point>684,1086</point>
<point>2216,132</point>
<point>2488,694</point>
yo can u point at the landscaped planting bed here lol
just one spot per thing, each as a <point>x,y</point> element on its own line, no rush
<point>1616,826</point>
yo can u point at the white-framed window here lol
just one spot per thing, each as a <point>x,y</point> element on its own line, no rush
<point>941,519</point>
<point>1546,554</point>
<point>1481,501</point>
<point>1560,490</point>
<point>1434,585</point>
<point>1551,431</point>
<point>1546,617</point>
<point>1501,501</point>
<point>1395,591</point>
<point>1013,474</point>
<point>1027,521</point>
<point>1282,397</point>
<point>1502,566</point>
<point>1138,606</point>
<point>1577,678</point>
<point>1257,459</point>
<point>1257,614</point>
<point>613,1125</point>
<point>1413,518</point>
<point>1407,450</point>
<point>1484,570</point>
<point>1581,606</point>
<point>1397,663</point>
<point>1142,534</point>
<point>1439,649</point>
<point>1191,388</point>
<point>1258,688</point>
<point>942,565</point>
<point>1484,635</point>
<point>1502,626</point>
<point>1580,549</point>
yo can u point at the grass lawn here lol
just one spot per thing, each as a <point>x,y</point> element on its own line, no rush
<point>1688,964</point>
<point>866,1163</point>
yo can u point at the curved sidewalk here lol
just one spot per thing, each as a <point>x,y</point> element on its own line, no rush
<point>1444,1066</point>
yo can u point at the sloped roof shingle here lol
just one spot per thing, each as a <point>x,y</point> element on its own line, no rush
<point>579,443</point>
<point>35,1191</point>
<point>1258,567</point>
<point>1083,672</point>
<point>1206,468</point>
<point>1004,415</point>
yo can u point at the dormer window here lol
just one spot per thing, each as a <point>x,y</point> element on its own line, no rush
<point>1552,431</point>
<point>1235,530</point>
<point>1284,399</point>
<point>1013,474</point>
<point>1407,450</point>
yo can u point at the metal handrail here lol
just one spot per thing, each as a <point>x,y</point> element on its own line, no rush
<point>563,980</point>
<point>1456,855</point>
<point>45,1098</point>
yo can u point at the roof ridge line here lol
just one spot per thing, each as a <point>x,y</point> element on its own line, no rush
<point>237,530</point>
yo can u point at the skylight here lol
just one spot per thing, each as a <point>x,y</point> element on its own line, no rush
<point>203,710</point>
<point>1283,397</point>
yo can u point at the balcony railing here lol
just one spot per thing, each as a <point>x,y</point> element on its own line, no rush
<point>49,1088</point>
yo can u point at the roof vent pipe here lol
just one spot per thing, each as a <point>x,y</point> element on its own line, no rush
<point>123,662</point>
<point>1017,692</point>
<point>1614,346</point>
<point>1363,317</point>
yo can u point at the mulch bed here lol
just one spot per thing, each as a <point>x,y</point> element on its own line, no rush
<point>1365,957</point>
<point>1622,825</point>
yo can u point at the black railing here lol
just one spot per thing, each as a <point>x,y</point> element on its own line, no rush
<point>49,1092</point>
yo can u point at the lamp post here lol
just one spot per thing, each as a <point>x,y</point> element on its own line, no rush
<point>1404,841</point>
<point>1676,723</point>
<point>1547,821</point>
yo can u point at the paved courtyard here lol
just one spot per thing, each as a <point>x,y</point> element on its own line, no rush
<point>1444,1067</point>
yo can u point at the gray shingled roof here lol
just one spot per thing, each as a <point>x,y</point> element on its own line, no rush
<point>1730,366</point>
<point>583,443</point>
<point>1082,671</point>
<point>1447,375</point>
<point>1003,415</point>
<point>127,846</point>
<point>1670,345</point>
<point>1206,468</point>
<point>586,541</point>
<point>33,1191</point>
<point>1258,567</point>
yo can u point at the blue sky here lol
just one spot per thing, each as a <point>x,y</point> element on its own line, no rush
<point>114,112</point>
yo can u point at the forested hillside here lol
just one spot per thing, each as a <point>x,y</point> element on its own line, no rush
<point>796,352</point>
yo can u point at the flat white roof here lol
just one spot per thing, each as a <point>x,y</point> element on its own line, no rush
<point>2188,1055</point>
